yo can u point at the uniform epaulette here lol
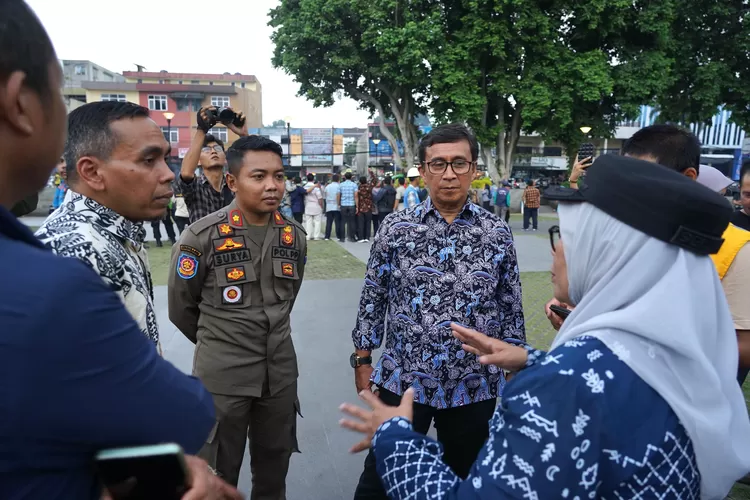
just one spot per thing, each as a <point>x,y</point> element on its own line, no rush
<point>208,221</point>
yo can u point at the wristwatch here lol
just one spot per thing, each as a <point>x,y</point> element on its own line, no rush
<point>357,361</point>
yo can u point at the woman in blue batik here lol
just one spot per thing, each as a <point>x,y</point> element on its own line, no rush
<point>636,398</point>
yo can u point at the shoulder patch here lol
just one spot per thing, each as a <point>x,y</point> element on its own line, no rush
<point>189,249</point>
<point>187,266</point>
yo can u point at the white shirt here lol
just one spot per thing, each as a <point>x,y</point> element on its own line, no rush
<point>312,200</point>
<point>112,246</point>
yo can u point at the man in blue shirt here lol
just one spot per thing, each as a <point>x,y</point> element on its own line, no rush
<point>446,260</point>
<point>411,195</point>
<point>501,201</point>
<point>78,375</point>
<point>349,207</point>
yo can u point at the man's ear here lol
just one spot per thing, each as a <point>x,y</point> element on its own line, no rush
<point>16,103</point>
<point>691,173</point>
<point>88,172</point>
<point>231,182</point>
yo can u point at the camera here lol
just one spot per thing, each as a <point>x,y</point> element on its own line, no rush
<point>223,115</point>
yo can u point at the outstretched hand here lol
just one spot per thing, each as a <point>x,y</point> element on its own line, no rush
<point>369,420</point>
<point>491,351</point>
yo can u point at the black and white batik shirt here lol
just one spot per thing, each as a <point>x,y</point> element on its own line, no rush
<point>112,246</point>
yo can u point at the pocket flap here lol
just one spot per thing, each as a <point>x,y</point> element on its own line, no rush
<point>235,274</point>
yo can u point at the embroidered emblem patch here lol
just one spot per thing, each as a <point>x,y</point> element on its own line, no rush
<point>232,294</point>
<point>225,230</point>
<point>235,273</point>
<point>287,269</point>
<point>278,219</point>
<point>187,266</point>
<point>235,216</point>
<point>226,244</point>
<point>287,236</point>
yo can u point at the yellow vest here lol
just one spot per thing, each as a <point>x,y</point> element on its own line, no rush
<point>734,239</point>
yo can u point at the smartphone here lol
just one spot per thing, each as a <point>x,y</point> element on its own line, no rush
<point>157,472</point>
<point>586,150</point>
<point>560,311</point>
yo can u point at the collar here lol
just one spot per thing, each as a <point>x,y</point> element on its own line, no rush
<point>104,217</point>
<point>204,180</point>
<point>468,213</point>
<point>14,229</point>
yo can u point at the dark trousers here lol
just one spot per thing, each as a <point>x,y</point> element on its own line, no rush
<point>530,213</point>
<point>462,431</point>
<point>156,226</point>
<point>364,225</point>
<point>348,214</point>
<point>298,216</point>
<point>334,217</point>
<point>181,223</point>
<point>375,223</point>
<point>270,423</point>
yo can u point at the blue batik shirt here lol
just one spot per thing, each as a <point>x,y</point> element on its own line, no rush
<point>424,274</point>
<point>577,423</point>
<point>348,188</point>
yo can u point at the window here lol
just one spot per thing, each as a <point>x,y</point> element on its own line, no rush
<point>182,104</point>
<point>179,82</point>
<point>233,84</point>
<point>210,83</point>
<point>157,102</point>
<point>140,80</point>
<point>220,101</point>
<point>174,132</point>
<point>197,104</point>
<point>161,81</point>
<point>80,69</point>
<point>195,82</point>
<point>243,85</point>
<point>114,97</point>
<point>220,133</point>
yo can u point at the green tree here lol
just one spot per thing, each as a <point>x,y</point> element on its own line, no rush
<point>373,51</point>
<point>350,152</point>
<point>548,67</point>
<point>278,124</point>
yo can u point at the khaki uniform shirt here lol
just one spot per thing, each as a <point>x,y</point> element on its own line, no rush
<point>232,287</point>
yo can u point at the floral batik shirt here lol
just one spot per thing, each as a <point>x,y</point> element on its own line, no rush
<point>576,423</point>
<point>424,274</point>
<point>112,246</point>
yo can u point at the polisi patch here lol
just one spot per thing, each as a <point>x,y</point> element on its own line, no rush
<point>287,269</point>
<point>284,253</point>
<point>233,257</point>
<point>231,294</point>
<point>228,244</point>
<point>235,273</point>
<point>187,266</point>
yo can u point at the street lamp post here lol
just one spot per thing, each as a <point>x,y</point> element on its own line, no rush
<point>585,129</point>
<point>377,152</point>
<point>169,117</point>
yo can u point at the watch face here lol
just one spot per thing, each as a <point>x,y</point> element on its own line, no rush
<point>353,360</point>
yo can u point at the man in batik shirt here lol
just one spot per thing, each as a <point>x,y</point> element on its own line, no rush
<point>447,260</point>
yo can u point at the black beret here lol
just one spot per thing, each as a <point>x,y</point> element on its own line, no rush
<point>660,202</point>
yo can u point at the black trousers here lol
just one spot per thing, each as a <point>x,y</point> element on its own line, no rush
<point>375,223</point>
<point>156,226</point>
<point>298,216</point>
<point>181,223</point>
<point>462,431</point>
<point>530,213</point>
<point>334,217</point>
<point>364,225</point>
<point>348,214</point>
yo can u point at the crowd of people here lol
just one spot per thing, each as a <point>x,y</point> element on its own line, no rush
<point>638,397</point>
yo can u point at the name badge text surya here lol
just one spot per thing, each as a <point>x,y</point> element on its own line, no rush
<point>222,259</point>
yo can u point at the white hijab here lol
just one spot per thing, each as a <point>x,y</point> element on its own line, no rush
<point>662,310</point>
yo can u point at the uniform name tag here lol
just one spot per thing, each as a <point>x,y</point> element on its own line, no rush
<point>222,259</point>
<point>285,253</point>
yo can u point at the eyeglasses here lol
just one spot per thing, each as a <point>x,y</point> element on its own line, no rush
<point>554,236</point>
<point>439,166</point>
<point>208,149</point>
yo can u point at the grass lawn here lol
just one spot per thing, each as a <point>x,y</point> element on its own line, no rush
<point>325,260</point>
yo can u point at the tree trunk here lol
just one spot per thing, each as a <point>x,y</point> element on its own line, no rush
<point>403,111</point>
<point>363,96</point>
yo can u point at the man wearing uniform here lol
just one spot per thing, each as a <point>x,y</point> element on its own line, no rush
<point>235,277</point>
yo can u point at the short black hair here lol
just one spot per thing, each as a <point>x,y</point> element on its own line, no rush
<point>744,171</point>
<point>236,153</point>
<point>348,176</point>
<point>310,177</point>
<point>210,138</point>
<point>297,179</point>
<point>401,181</point>
<point>363,179</point>
<point>336,177</point>
<point>25,46</point>
<point>89,132</point>
<point>671,146</point>
<point>387,181</point>
<point>445,134</point>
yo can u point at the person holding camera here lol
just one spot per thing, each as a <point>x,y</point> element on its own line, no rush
<point>208,192</point>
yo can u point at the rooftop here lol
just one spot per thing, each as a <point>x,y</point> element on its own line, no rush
<point>164,75</point>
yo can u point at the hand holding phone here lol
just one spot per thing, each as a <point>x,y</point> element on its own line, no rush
<point>560,311</point>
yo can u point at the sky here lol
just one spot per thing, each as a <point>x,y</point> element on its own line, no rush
<point>165,35</point>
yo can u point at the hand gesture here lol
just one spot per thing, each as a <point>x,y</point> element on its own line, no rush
<point>553,318</point>
<point>491,351</point>
<point>370,420</point>
<point>206,118</point>
<point>239,125</point>
<point>204,485</point>
<point>579,167</point>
